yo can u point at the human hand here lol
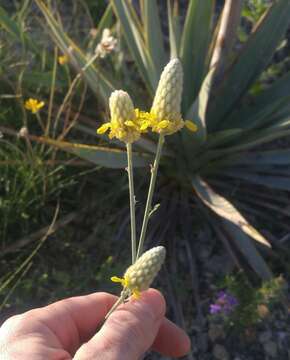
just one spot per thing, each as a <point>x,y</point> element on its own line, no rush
<point>67,329</point>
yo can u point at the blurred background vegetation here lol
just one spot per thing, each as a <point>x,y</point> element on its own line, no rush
<point>64,217</point>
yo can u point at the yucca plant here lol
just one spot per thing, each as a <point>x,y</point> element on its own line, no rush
<point>221,171</point>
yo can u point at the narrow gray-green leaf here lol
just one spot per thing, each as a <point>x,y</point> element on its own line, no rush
<point>153,34</point>
<point>99,155</point>
<point>248,249</point>
<point>194,46</point>
<point>174,29</point>
<point>225,209</point>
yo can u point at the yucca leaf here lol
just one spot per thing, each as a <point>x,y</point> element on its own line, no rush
<point>99,155</point>
<point>250,62</point>
<point>135,42</point>
<point>97,79</point>
<point>225,209</point>
<point>197,113</point>
<point>250,139</point>
<point>264,215</point>
<point>248,249</point>
<point>194,47</point>
<point>153,34</point>
<point>269,157</point>
<point>272,182</point>
<point>262,105</point>
<point>174,29</point>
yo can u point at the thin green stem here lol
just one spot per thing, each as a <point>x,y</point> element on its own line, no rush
<point>132,202</point>
<point>148,207</point>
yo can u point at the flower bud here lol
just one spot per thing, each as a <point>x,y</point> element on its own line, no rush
<point>167,101</point>
<point>123,125</point>
<point>139,276</point>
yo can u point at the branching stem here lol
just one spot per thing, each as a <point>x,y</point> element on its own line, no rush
<point>132,202</point>
<point>148,207</point>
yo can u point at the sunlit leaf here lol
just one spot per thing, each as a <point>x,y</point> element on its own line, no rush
<point>225,209</point>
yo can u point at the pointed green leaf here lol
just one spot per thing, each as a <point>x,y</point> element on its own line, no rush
<point>250,62</point>
<point>194,46</point>
<point>225,209</point>
<point>153,34</point>
<point>272,182</point>
<point>197,114</point>
<point>262,105</point>
<point>174,29</point>
<point>270,157</point>
<point>248,249</point>
<point>99,155</point>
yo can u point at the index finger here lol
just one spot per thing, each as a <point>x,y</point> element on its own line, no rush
<point>75,320</point>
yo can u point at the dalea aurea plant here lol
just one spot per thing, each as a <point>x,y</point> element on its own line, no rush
<point>127,124</point>
<point>221,172</point>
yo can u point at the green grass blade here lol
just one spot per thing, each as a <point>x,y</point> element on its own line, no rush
<point>99,155</point>
<point>194,46</point>
<point>15,31</point>
<point>97,79</point>
<point>250,62</point>
<point>225,209</point>
<point>153,35</point>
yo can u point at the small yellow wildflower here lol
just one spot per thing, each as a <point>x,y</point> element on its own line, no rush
<point>63,59</point>
<point>125,124</point>
<point>33,105</point>
<point>139,276</point>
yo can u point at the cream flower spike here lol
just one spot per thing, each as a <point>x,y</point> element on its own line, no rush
<point>166,106</point>
<point>124,122</point>
<point>139,276</point>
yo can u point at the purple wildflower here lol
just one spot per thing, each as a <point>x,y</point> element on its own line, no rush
<point>224,304</point>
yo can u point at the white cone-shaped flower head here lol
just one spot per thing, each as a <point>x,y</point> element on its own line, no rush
<point>139,276</point>
<point>167,101</point>
<point>123,124</point>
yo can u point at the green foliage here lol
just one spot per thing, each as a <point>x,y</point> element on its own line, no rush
<point>27,182</point>
<point>254,9</point>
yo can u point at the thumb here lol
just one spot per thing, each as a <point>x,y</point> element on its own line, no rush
<point>128,332</point>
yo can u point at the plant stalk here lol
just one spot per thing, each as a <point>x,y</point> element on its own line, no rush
<point>120,301</point>
<point>132,202</point>
<point>148,207</point>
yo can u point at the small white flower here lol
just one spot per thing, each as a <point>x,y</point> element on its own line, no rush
<point>107,44</point>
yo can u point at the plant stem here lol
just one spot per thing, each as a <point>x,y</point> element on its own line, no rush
<point>148,207</point>
<point>120,301</point>
<point>132,202</point>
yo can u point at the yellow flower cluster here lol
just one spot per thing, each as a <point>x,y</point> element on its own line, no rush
<point>33,105</point>
<point>165,118</point>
